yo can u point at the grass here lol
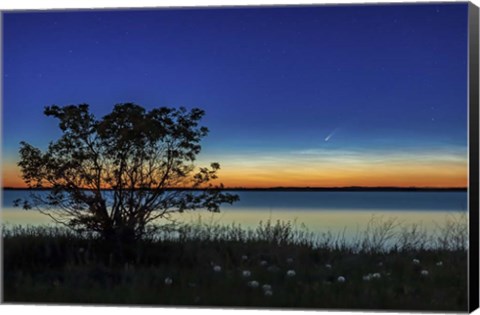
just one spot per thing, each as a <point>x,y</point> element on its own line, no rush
<point>208,265</point>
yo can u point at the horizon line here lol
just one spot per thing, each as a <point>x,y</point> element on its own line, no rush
<point>279,188</point>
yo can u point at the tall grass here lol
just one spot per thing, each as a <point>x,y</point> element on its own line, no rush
<point>379,235</point>
<point>388,265</point>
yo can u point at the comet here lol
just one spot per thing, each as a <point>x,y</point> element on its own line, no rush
<point>331,134</point>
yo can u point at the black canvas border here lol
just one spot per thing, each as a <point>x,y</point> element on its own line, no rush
<point>473,184</point>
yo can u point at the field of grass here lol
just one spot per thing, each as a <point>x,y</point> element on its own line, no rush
<point>272,266</point>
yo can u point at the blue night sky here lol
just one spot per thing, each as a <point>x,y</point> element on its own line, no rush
<point>318,96</point>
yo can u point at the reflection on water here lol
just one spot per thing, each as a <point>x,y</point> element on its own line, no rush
<point>348,222</point>
<point>319,211</point>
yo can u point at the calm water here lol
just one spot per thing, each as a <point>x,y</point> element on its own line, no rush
<point>319,211</point>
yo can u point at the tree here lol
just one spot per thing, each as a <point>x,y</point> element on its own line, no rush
<point>118,175</point>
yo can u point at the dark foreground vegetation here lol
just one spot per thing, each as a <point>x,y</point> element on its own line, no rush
<point>272,266</point>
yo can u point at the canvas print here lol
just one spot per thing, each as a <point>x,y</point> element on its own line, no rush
<point>311,157</point>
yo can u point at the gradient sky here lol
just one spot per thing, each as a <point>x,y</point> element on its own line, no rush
<point>300,96</point>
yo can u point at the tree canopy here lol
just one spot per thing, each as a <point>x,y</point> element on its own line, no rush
<point>119,174</point>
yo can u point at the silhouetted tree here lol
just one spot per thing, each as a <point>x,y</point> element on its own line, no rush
<point>119,174</point>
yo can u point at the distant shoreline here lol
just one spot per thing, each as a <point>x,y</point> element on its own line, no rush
<point>307,189</point>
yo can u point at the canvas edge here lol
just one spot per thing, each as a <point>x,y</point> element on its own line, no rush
<point>1,154</point>
<point>473,134</point>
<point>244,5</point>
<point>473,184</point>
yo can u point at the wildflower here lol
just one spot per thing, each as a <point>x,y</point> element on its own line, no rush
<point>376,275</point>
<point>424,273</point>
<point>217,268</point>
<point>439,264</point>
<point>341,279</point>
<point>263,263</point>
<point>168,281</point>
<point>268,293</point>
<point>266,287</point>
<point>367,277</point>
<point>253,284</point>
<point>416,261</point>
<point>328,266</point>
<point>246,273</point>
<point>291,273</point>
<point>244,257</point>
<point>289,260</point>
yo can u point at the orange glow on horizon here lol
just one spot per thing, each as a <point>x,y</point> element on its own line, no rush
<point>11,177</point>
<point>420,175</point>
<point>376,180</point>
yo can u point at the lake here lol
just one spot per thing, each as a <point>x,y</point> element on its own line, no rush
<point>319,211</point>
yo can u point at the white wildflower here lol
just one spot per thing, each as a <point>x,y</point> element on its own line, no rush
<point>376,275</point>
<point>253,284</point>
<point>439,264</point>
<point>291,273</point>
<point>268,293</point>
<point>246,273</point>
<point>244,257</point>
<point>415,261</point>
<point>168,281</point>
<point>341,279</point>
<point>367,277</point>
<point>263,263</point>
<point>217,268</point>
<point>328,266</point>
<point>266,287</point>
<point>424,273</point>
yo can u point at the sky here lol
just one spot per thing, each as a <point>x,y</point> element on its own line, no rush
<point>361,95</point>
